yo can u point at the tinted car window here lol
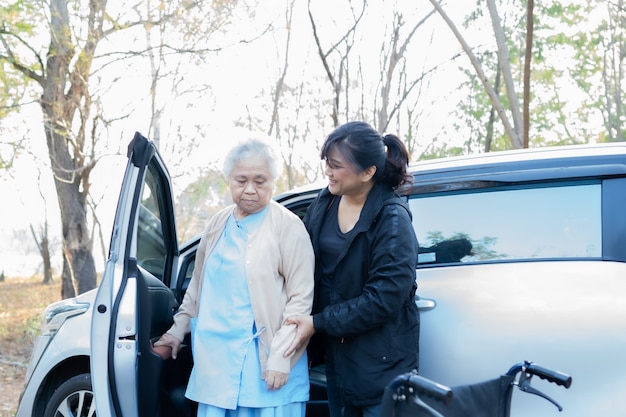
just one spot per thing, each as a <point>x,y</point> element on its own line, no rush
<point>509,223</point>
<point>151,249</point>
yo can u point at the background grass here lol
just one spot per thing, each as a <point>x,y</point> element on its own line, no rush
<point>22,300</point>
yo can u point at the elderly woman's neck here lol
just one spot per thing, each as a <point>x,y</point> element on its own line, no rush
<point>239,214</point>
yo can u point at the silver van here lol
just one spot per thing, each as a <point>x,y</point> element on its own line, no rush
<point>522,257</point>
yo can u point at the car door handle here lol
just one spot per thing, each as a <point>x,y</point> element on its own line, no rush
<point>425,304</point>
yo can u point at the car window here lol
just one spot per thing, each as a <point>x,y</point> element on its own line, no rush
<point>509,223</point>
<point>151,249</point>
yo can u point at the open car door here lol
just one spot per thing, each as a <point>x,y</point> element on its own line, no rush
<point>134,304</point>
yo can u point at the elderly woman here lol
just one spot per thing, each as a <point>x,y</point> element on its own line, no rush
<point>254,267</point>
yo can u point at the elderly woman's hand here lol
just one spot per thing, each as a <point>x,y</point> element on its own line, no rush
<point>304,332</point>
<point>167,341</point>
<point>275,379</point>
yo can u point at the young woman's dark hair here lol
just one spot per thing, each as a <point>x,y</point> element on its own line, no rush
<point>364,147</point>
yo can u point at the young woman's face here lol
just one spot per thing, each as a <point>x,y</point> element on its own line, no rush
<point>251,184</point>
<point>344,178</point>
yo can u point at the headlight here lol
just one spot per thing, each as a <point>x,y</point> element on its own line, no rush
<point>55,315</point>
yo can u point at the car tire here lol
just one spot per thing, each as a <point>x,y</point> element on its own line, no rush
<point>73,398</point>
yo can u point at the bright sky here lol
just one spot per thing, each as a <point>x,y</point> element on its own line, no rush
<point>234,81</point>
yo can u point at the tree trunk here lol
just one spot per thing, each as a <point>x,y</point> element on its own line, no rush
<point>613,71</point>
<point>504,59</point>
<point>64,92</point>
<point>527,59</point>
<point>495,100</point>
<point>43,246</point>
<point>492,113</point>
<point>47,265</point>
<point>79,272</point>
<point>67,287</point>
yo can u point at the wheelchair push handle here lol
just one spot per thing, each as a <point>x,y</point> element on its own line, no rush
<point>420,386</point>
<point>549,375</point>
<point>528,369</point>
<point>431,388</point>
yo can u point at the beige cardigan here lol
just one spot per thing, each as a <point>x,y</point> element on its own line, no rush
<point>279,267</point>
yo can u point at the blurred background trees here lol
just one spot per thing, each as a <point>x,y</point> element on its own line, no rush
<point>79,77</point>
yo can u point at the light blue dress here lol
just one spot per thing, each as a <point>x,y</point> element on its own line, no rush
<point>226,377</point>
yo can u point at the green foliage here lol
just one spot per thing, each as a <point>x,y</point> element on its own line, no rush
<point>198,201</point>
<point>18,17</point>
<point>436,150</point>
<point>12,89</point>
<point>19,22</point>
<point>568,59</point>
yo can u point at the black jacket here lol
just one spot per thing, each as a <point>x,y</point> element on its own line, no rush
<point>372,322</point>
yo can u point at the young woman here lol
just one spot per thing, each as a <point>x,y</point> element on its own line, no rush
<point>365,259</point>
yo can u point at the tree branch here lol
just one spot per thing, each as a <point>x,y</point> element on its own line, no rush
<point>495,101</point>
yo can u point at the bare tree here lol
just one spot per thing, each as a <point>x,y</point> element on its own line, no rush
<point>614,69</point>
<point>38,231</point>
<point>492,111</point>
<point>288,124</point>
<point>505,64</point>
<point>392,56</point>
<point>527,60</point>
<point>43,242</point>
<point>513,130</point>
<point>599,65</point>
<point>337,73</point>
<point>43,245</point>
<point>280,83</point>
<point>62,80</point>
<point>275,128</point>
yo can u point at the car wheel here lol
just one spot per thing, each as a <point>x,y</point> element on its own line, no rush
<point>73,398</point>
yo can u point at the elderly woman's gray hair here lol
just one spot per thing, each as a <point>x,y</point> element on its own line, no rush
<point>251,148</point>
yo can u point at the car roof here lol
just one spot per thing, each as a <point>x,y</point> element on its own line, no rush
<point>504,167</point>
<point>304,192</point>
<point>518,166</point>
<point>525,156</point>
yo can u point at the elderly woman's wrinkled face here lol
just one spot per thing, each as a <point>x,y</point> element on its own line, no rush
<point>251,185</point>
